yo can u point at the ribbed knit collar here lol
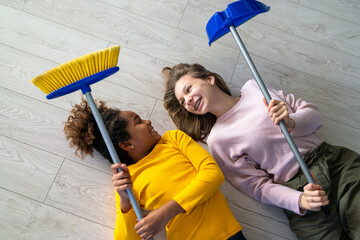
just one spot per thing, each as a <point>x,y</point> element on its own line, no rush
<point>224,116</point>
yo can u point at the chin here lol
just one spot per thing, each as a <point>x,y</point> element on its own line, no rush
<point>199,113</point>
<point>158,136</point>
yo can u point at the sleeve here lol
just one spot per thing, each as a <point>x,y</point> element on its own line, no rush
<point>246,175</point>
<point>306,115</point>
<point>125,223</point>
<point>209,176</point>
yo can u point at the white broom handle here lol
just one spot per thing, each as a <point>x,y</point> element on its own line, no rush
<point>111,149</point>
<point>267,96</point>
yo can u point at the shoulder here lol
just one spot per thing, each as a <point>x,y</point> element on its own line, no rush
<point>216,137</point>
<point>175,135</point>
<point>250,84</point>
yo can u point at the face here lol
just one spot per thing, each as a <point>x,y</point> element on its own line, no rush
<point>142,135</point>
<point>195,94</point>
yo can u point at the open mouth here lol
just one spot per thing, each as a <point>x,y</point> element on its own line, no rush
<point>197,104</point>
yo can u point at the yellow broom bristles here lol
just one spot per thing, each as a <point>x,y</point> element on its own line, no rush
<point>77,69</point>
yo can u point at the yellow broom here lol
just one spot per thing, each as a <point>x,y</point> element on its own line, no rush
<point>79,74</point>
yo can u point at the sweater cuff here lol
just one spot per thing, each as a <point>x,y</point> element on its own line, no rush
<point>187,208</point>
<point>302,211</point>
<point>294,203</point>
<point>298,129</point>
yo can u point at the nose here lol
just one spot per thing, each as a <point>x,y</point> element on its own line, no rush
<point>188,100</point>
<point>148,122</point>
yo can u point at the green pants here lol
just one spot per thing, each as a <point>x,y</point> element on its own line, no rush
<point>337,170</point>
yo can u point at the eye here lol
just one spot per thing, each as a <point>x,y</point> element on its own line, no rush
<point>138,120</point>
<point>188,89</point>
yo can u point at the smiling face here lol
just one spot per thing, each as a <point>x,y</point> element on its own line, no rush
<point>195,93</point>
<point>142,135</point>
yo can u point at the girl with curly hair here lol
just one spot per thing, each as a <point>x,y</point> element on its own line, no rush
<point>172,176</point>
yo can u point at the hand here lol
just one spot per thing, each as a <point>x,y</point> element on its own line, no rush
<point>278,111</point>
<point>157,219</point>
<point>122,181</point>
<point>313,197</point>
<point>151,224</point>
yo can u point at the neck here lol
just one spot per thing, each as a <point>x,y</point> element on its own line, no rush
<point>223,104</point>
<point>137,154</point>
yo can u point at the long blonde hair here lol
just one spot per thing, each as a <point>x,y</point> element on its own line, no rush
<point>196,126</point>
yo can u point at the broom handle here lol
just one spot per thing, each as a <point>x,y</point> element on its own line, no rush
<point>282,125</point>
<point>111,149</point>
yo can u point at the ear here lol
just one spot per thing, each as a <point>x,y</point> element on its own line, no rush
<point>211,79</point>
<point>126,146</point>
<point>166,72</point>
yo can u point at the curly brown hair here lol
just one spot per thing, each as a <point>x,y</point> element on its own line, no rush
<point>196,126</point>
<point>84,135</point>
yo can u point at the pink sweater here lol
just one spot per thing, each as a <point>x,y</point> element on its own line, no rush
<point>253,153</point>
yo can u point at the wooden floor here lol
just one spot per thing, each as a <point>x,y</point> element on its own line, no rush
<point>309,48</point>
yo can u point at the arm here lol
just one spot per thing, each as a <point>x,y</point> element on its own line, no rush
<point>246,176</point>
<point>125,215</point>
<point>157,219</point>
<point>306,116</point>
<point>209,176</point>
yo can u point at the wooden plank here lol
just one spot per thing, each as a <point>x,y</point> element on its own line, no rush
<point>254,233</point>
<point>347,10</point>
<point>18,4</point>
<point>314,25</point>
<point>27,170</point>
<point>19,33</point>
<point>168,12</point>
<point>160,120</point>
<point>85,192</point>
<point>140,72</point>
<point>23,218</point>
<point>340,134</point>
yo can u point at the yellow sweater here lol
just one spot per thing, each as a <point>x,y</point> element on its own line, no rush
<point>178,168</point>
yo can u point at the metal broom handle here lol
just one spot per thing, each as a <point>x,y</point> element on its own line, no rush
<point>282,125</point>
<point>111,149</point>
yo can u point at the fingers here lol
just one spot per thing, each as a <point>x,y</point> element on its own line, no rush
<point>115,168</point>
<point>121,180</point>
<point>315,203</point>
<point>277,111</point>
<point>143,230</point>
<point>315,197</point>
<point>122,184</point>
<point>313,190</point>
<point>281,114</point>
